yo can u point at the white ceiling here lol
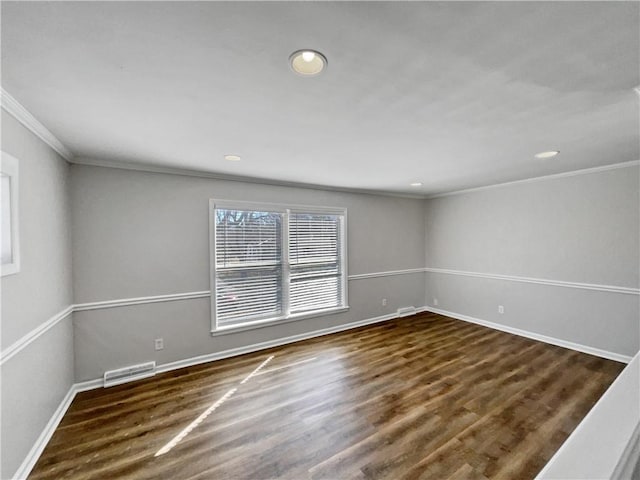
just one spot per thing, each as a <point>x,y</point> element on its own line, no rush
<point>454,95</point>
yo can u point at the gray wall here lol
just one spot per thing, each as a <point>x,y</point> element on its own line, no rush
<point>145,234</point>
<point>136,234</point>
<point>36,379</point>
<point>582,228</point>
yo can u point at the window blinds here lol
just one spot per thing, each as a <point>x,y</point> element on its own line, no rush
<point>248,264</point>
<point>314,262</point>
<point>271,265</point>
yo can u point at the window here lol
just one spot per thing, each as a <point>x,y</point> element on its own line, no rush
<point>274,263</point>
<point>10,252</point>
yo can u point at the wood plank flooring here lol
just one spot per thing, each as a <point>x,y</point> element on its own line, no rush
<point>418,397</point>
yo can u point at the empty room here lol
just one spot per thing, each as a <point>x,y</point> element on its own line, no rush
<point>320,240</point>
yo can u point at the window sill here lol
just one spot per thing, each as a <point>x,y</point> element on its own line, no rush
<point>9,269</point>
<point>271,323</point>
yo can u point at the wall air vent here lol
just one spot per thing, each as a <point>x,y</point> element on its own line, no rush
<point>406,311</point>
<point>128,374</point>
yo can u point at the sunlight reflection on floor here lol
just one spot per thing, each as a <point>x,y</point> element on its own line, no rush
<point>187,430</point>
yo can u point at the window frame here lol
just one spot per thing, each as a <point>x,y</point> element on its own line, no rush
<point>9,168</point>
<point>286,210</point>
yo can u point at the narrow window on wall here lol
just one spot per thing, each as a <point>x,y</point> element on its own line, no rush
<point>275,263</point>
<point>248,266</point>
<point>315,252</point>
<point>9,251</point>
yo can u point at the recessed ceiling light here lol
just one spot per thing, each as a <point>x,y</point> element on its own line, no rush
<point>549,154</point>
<point>416,184</point>
<point>232,158</point>
<point>307,62</point>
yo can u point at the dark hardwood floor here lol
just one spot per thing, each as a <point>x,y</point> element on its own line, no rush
<point>418,397</point>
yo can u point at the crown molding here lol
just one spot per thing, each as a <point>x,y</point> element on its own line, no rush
<point>572,173</point>
<point>20,113</point>
<point>151,168</point>
<point>26,118</point>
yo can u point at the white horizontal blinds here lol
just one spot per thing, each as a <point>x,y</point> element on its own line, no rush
<point>247,296</point>
<point>315,261</point>
<point>248,238</point>
<point>248,265</point>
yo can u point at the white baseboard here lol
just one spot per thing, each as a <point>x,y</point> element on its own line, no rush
<point>89,385</point>
<point>35,452</point>
<point>37,449</point>
<point>534,336</point>
<point>210,357</point>
<point>45,436</point>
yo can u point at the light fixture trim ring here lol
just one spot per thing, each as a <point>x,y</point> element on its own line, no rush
<point>324,63</point>
<point>547,154</point>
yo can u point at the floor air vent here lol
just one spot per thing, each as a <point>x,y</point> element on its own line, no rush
<point>406,311</point>
<point>128,374</point>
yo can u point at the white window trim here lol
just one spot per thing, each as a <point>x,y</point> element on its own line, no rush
<point>285,209</point>
<point>9,167</point>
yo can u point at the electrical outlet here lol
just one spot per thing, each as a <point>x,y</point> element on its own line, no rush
<point>500,309</point>
<point>435,302</point>
<point>384,302</point>
<point>159,344</point>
